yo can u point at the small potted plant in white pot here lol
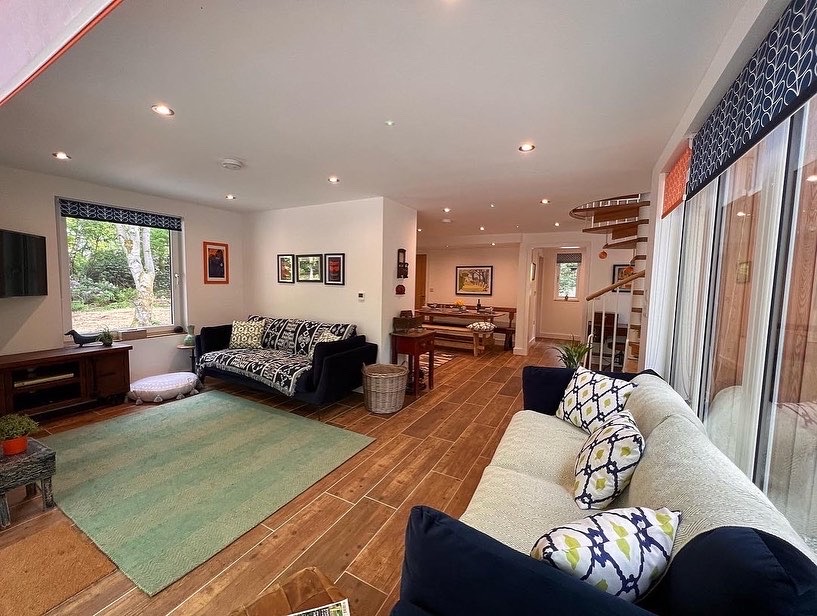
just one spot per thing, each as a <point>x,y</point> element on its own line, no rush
<point>14,431</point>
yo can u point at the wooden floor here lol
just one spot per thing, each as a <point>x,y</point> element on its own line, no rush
<point>351,523</point>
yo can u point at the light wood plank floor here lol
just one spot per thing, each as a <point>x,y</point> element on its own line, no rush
<point>351,523</point>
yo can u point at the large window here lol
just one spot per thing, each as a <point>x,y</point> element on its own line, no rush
<point>120,275</point>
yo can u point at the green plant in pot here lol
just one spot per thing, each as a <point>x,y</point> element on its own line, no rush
<point>572,353</point>
<point>14,431</point>
<point>106,337</point>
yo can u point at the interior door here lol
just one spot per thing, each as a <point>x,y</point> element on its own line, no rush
<point>420,283</point>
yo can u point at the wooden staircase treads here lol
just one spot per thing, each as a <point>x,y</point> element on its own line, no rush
<point>636,310</point>
<point>609,212</point>
<point>635,327</point>
<point>638,291</point>
<point>626,244</point>
<point>640,258</point>
<point>628,228</point>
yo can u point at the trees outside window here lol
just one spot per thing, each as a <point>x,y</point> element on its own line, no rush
<point>567,280</point>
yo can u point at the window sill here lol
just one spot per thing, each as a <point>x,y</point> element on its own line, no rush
<point>68,342</point>
<point>563,300</point>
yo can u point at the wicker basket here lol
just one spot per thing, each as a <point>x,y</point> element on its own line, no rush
<point>384,387</point>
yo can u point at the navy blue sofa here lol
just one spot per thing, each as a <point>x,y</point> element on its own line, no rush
<point>451,569</point>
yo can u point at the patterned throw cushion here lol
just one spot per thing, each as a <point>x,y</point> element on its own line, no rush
<point>591,398</point>
<point>246,334</point>
<point>607,461</point>
<point>481,326</point>
<point>622,551</point>
<point>324,336</point>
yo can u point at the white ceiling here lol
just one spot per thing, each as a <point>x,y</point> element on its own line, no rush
<point>300,90</point>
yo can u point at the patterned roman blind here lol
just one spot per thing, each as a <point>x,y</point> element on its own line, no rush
<point>108,213</point>
<point>569,257</point>
<point>777,80</point>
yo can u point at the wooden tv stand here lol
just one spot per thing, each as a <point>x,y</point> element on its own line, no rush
<point>63,379</point>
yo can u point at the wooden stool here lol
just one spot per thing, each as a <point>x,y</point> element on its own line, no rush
<point>304,590</point>
<point>479,341</point>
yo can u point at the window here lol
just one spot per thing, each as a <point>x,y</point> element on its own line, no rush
<point>120,268</point>
<point>567,275</point>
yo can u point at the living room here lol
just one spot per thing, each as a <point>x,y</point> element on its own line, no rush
<point>295,137</point>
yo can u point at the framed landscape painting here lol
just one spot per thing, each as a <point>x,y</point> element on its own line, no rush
<point>334,266</point>
<point>286,268</point>
<point>309,268</point>
<point>474,280</point>
<point>216,263</point>
<point>621,271</point>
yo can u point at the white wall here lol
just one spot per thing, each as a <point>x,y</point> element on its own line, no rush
<point>399,231</point>
<point>368,231</point>
<point>441,273</point>
<point>36,323</point>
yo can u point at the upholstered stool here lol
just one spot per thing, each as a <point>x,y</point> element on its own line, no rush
<point>483,332</point>
<point>174,385</point>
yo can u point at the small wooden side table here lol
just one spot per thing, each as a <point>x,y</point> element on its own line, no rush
<point>38,463</point>
<point>192,349</point>
<point>415,344</point>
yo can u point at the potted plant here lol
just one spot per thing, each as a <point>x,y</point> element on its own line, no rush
<point>572,353</point>
<point>106,337</point>
<point>14,431</point>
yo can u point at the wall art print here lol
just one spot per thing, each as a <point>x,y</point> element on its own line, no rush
<point>216,263</point>
<point>474,280</point>
<point>309,268</point>
<point>286,268</point>
<point>621,271</point>
<point>334,267</point>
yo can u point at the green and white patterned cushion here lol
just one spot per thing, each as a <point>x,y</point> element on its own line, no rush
<point>481,326</point>
<point>246,334</point>
<point>607,461</point>
<point>324,336</point>
<point>591,398</point>
<point>622,551</point>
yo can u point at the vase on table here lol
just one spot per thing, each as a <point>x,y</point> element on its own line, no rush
<point>190,339</point>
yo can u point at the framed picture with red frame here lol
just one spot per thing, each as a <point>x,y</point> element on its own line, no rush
<point>216,263</point>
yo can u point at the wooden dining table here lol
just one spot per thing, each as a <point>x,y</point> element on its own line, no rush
<point>451,313</point>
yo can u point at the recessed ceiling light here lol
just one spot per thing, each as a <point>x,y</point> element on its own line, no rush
<point>231,164</point>
<point>162,110</point>
<point>517,226</point>
<point>545,201</point>
<point>446,209</point>
<point>493,205</point>
<point>389,122</point>
<point>60,155</point>
<point>811,178</point>
<point>231,196</point>
<point>493,243</point>
<point>418,229</point>
<point>555,224</point>
<point>740,214</point>
<point>527,147</point>
<point>445,220</point>
<point>482,228</point>
<point>333,179</point>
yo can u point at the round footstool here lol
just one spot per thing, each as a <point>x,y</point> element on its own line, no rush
<point>174,385</point>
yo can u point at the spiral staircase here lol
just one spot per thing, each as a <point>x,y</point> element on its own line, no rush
<point>615,312</point>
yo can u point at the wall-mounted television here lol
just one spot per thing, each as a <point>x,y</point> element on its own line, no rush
<point>23,269</point>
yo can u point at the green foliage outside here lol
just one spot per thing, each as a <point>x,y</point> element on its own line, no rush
<point>100,278</point>
<point>568,279</point>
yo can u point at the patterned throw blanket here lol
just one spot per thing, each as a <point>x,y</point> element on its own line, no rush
<point>278,369</point>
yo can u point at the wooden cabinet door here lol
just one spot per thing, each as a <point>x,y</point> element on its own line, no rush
<point>111,374</point>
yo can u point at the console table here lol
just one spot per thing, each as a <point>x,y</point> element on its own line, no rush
<point>61,379</point>
<point>415,344</point>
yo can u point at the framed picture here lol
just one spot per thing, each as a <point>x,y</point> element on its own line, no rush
<point>620,271</point>
<point>309,268</point>
<point>216,263</point>
<point>334,264</point>
<point>286,268</point>
<point>474,280</point>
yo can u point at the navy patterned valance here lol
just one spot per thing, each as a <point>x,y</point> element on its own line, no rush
<point>776,81</point>
<point>569,257</point>
<point>109,213</point>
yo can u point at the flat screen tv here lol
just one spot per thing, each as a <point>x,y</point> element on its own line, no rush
<point>22,264</point>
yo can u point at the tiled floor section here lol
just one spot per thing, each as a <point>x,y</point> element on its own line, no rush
<point>351,523</point>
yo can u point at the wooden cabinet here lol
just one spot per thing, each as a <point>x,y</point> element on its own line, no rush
<point>61,379</point>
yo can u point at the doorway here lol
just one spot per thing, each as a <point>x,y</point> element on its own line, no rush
<point>420,283</point>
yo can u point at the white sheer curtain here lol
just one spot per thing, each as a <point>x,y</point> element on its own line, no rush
<point>693,285</point>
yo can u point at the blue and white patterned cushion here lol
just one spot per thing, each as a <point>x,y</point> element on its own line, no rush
<point>591,398</point>
<point>277,369</point>
<point>607,461</point>
<point>622,551</point>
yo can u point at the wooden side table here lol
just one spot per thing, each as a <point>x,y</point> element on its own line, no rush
<point>38,463</point>
<point>415,344</point>
<point>192,349</point>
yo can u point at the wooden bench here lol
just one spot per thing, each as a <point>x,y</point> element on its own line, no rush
<point>510,329</point>
<point>460,337</point>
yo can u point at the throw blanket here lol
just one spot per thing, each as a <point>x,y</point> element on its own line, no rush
<point>278,369</point>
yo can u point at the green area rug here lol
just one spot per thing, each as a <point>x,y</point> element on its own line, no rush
<point>163,490</point>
